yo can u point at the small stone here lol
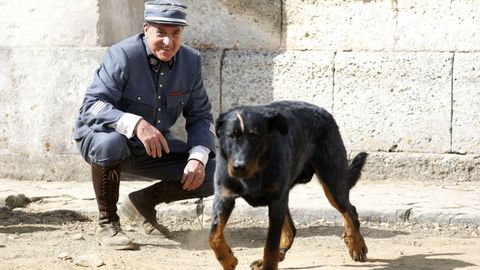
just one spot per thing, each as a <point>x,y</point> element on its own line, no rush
<point>13,237</point>
<point>88,260</point>
<point>15,201</point>
<point>64,256</point>
<point>78,236</point>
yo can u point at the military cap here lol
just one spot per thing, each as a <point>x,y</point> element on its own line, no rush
<point>166,12</point>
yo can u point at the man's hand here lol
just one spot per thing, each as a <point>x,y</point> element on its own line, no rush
<point>193,175</point>
<point>151,138</point>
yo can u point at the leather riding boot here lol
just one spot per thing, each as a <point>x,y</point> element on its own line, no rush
<point>140,205</point>
<point>106,183</point>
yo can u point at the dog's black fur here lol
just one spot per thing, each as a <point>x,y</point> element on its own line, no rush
<point>263,152</point>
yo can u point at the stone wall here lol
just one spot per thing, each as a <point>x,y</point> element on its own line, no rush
<point>402,77</point>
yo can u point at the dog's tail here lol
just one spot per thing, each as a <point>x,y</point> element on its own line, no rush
<point>356,167</point>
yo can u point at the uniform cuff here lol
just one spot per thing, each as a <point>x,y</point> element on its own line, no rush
<point>199,153</point>
<point>126,124</point>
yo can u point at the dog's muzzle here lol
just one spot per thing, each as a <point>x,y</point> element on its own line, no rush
<point>237,168</point>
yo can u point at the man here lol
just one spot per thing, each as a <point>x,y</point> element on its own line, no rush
<point>142,85</point>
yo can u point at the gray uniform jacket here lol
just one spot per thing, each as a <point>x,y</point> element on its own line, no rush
<point>124,83</point>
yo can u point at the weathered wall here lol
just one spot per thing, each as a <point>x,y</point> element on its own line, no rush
<point>402,77</point>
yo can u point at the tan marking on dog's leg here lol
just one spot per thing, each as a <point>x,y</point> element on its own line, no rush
<point>288,234</point>
<point>242,125</point>
<point>270,259</point>
<point>354,240</point>
<point>351,235</point>
<point>222,250</point>
<point>329,196</point>
<point>227,193</point>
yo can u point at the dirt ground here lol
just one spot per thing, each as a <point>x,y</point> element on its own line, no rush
<point>65,239</point>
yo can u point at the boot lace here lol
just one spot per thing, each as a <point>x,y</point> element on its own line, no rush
<point>117,227</point>
<point>110,182</point>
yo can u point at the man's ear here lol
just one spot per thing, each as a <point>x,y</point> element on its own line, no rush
<point>145,27</point>
<point>277,121</point>
<point>219,124</point>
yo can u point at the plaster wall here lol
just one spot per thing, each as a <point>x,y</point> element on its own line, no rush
<point>402,77</point>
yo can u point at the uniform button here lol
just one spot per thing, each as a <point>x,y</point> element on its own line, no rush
<point>161,73</point>
<point>158,121</point>
<point>139,98</point>
<point>159,109</point>
<point>161,85</point>
<point>159,97</point>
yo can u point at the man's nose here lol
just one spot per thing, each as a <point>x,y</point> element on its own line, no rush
<point>166,41</point>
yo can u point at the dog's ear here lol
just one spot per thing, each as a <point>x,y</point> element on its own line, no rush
<point>219,124</point>
<point>277,121</point>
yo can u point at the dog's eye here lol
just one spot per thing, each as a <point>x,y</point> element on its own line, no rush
<point>253,136</point>
<point>235,134</point>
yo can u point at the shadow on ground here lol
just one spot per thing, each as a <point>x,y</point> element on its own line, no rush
<point>254,237</point>
<point>19,221</point>
<point>418,261</point>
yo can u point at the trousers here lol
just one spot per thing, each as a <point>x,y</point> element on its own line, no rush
<point>112,148</point>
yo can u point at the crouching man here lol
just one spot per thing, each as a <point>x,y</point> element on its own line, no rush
<point>141,87</point>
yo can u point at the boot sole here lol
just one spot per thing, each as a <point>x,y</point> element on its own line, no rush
<point>125,247</point>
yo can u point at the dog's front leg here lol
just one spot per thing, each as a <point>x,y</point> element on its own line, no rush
<point>276,216</point>
<point>222,208</point>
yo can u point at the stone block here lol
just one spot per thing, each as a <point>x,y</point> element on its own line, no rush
<point>6,99</point>
<point>247,78</point>
<point>234,24</point>
<point>47,87</point>
<point>338,24</point>
<point>119,19</point>
<point>305,76</point>
<point>423,167</point>
<point>45,23</point>
<point>466,103</point>
<point>59,167</point>
<point>438,25</point>
<point>252,77</point>
<point>397,102</point>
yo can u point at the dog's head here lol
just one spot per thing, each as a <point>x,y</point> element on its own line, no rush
<point>245,137</point>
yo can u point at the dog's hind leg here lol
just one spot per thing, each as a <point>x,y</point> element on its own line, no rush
<point>222,208</point>
<point>288,234</point>
<point>338,196</point>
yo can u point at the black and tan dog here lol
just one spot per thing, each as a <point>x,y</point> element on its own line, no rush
<point>266,150</point>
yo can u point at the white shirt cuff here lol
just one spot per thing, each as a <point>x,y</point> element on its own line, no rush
<point>126,124</point>
<point>199,152</point>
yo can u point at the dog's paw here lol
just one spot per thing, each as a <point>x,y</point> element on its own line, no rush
<point>256,265</point>
<point>356,246</point>
<point>230,263</point>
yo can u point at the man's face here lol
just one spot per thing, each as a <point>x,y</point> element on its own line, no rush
<point>163,39</point>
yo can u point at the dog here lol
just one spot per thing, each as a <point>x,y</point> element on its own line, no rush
<point>266,150</point>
